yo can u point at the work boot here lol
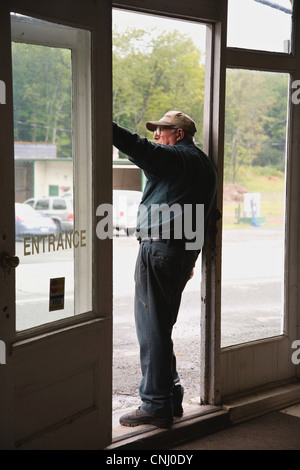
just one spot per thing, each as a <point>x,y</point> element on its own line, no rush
<point>139,416</point>
<point>177,398</point>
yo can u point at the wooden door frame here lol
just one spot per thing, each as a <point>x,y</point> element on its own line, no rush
<point>45,355</point>
<point>216,362</point>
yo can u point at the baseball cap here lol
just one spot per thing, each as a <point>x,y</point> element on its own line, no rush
<point>174,119</point>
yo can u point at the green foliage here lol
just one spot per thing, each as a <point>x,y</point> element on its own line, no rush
<point>273,150</point>
<point>261,179</point>
<point>42,95</point>
<point>153,73</point>
<point>255,122</point>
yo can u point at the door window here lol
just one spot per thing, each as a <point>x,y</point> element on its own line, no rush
<point>254,206</point>
<point>52,248</point>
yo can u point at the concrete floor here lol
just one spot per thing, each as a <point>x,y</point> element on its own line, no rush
<point>278,430</point>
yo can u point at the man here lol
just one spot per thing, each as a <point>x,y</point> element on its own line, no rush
<point>180,175</point>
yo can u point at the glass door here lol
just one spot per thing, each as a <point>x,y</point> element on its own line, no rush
<point>257,318</point>
<point>52,231</point>
<point>55,333</point>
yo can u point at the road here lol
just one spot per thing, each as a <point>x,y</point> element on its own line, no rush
<point>251,302</point>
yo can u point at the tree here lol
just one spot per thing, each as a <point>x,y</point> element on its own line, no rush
<point>42,95</point>
<point>273,150</point>
<point>251,104</point>
<point>152,73</point>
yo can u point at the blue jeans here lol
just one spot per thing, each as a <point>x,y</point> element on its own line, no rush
<point>161,273</point>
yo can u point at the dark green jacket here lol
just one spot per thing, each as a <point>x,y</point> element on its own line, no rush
<point>176,174</point>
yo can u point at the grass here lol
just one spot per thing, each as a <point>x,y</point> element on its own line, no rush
<point>261,179</point>
<point>270,183</point>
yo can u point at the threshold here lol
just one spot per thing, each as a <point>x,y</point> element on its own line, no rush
<point>196,420</point>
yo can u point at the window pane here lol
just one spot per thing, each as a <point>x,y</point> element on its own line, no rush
<point>42,108</point>
<point>42,204</point>
<point>51,248</point>
<point>259,24</point>
<point>59,204</point>
<point>253,206</point>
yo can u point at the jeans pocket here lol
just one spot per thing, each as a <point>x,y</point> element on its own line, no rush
<point>140,277</point>
<point>167,264</point>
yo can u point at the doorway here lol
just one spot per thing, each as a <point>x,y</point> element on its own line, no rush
<point>158,64</point>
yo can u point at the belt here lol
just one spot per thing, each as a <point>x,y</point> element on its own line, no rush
<point>161,240</point>
<point>153,239</point>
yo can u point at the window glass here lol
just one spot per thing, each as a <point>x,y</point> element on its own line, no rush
<point>51,248</point>
<point>59,204</point>
<point>42,204</point>
<point>253,206</point>
<point>260,24</point>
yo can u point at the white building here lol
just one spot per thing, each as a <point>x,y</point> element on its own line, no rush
<point>39,172</point>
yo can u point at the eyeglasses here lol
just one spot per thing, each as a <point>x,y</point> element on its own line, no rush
<point>161,128</point>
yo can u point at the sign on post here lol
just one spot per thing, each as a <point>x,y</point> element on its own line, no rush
<point>2,92</point>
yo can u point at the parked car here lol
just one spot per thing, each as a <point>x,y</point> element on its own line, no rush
<point>125,208</point>
<point>58,208</point>
<point>31,223</point>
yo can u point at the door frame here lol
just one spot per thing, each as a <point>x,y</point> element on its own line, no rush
<point>74,354</point>
<point>267,361</point>
<point>216,382</point>
<point>223,370</point>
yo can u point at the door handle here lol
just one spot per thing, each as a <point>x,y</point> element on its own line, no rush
<point>7,261</point>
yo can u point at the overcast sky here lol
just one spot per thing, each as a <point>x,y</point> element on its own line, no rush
<point>250,25</point>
